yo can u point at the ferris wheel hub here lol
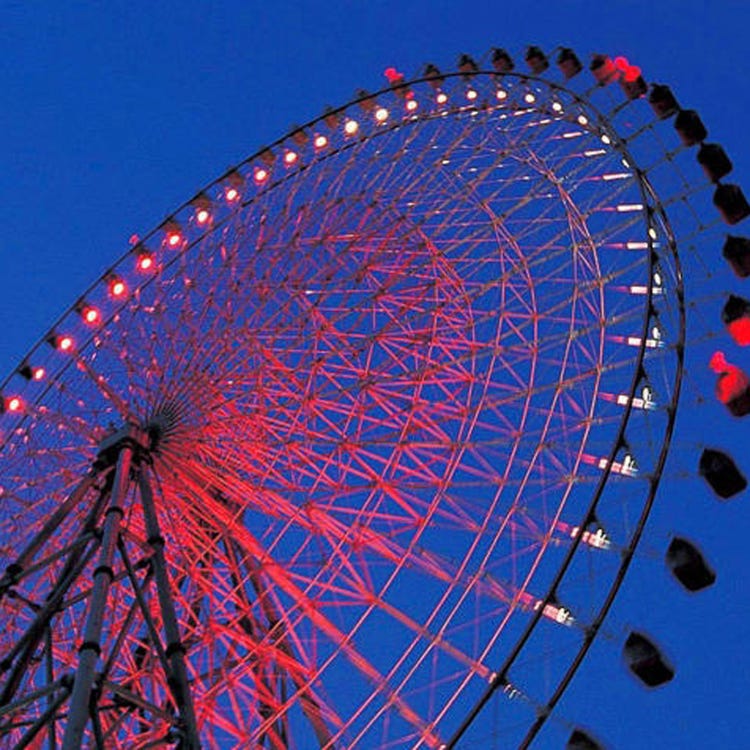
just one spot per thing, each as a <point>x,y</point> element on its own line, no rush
<point>162,423</point>
<point>143,438</point>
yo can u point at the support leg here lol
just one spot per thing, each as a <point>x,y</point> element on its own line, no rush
<point>175,650</point>
<point>89,652</point>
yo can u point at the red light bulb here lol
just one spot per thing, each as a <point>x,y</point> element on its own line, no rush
<point>90,315</point>
<point>13,404</point>
<point>145,262</point>
<point>117,287</point>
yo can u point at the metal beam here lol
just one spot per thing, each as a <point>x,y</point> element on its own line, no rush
<point>17,567</point>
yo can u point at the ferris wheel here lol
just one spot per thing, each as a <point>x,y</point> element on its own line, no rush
<point>365,434</point>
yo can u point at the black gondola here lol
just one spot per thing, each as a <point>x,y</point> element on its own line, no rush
<point>690,127</point>
<point>580,740</point>
<point>688,566</point>
<point>646,662</point>
<point>721,473</point>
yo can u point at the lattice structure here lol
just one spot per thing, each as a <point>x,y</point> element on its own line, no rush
<point>323,459</point>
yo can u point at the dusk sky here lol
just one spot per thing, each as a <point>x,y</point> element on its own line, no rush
<point>115,113</point>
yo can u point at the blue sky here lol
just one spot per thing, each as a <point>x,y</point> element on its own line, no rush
<point>115,113</point>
